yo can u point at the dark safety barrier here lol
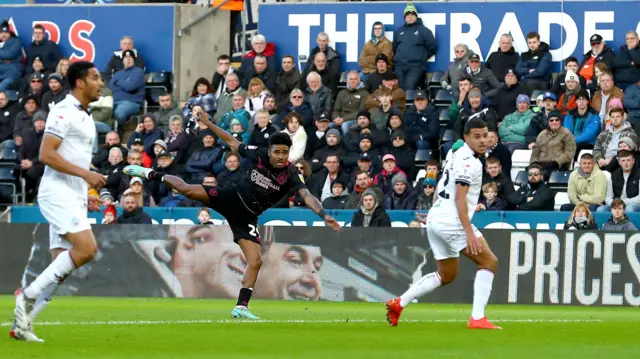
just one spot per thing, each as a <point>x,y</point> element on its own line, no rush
<point>304,263</point>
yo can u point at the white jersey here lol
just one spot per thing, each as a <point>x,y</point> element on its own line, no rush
<point>70,122</point>
<point>461,166</point>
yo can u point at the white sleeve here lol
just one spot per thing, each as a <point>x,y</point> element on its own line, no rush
<point>57,124</point>
<point>464,172</point>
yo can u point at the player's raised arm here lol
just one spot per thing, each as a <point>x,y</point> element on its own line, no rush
<point>312,202</point>
<point>49,156</point>
<point>220,133</point>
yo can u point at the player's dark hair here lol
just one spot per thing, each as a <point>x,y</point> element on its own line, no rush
<point>280,139</point>
<point>586,156</point>
<point>78,71</point>
<point>473,124</point>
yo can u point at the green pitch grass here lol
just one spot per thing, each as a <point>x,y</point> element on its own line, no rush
<point>172,328</point>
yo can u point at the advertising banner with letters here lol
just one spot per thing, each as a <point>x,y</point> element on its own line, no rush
<point>93,32</point>
<point>565,25</point>
<point>303,263</point>
<point>305,217</point>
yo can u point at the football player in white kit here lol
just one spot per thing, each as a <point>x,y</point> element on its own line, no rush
<point>450,231</point>
<point>66,151</point>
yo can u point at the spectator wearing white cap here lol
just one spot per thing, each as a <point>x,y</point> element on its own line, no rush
<point>513,130</point>
<point>567,100</point>
<point>143,198</point>
<point>559,85</point>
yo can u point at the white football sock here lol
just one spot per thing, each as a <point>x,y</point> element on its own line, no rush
<point>425,285</point>
<point>481,292</point>
<point>56,272</point>
<point>44,299</point>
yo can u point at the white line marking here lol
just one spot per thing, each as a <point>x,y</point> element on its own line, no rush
<point>304,321</point>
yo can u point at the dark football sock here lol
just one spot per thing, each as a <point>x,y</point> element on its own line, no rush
<point>245,296</point>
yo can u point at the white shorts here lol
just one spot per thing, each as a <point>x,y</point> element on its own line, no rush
<point>447,240</point>
<point>64,217</point>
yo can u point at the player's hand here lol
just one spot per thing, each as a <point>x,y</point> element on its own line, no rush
<point>95,179</point>
<point>331,222</point>
<point>421,217</point>
<point>473,244</point>
<point>93,204</point>
<point>204,118</point>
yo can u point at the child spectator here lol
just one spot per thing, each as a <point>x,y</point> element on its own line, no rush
<point>491,200</point>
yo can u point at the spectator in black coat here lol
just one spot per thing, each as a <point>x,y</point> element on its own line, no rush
<point>570,64</point>
<point>374,80</point>
<point>627,62</point>
<point>477,106</point>
<point>317,136</point>
<point>339,195</point>
<point>535,66</point>
<point>499,151</point>
<point>370,213</point>
<point>218,81</point>
<point>33,86</point>
<point>24,119</point>
<point>365,146</point>
<point>505,100</point>
<point>115,63</point>
<point>331,55</point>
<point>401,197</point>
<point>132,213</point>
<point>333,147</point>
<point>298,104</point>
<point>202,160</point>
<point>535,195</point>
<point>41,47</point>
<point>232,174</point>
<point>286,81</point>
<point>503,59</point>
<point>495,174</point>
<point>403,153</point>
<point>30,164</point>
<point>56,92</point>
<point>7,120</point>
<point>320,183</point>
<point>113,171</point>
<point>166,164</point>
<point>541,120</point>
<point>263,130</point>
<point>423,123</point>
<point>365,127</point>
<point>262,71</point>
<point>491,200</point>
<point>328,76</point>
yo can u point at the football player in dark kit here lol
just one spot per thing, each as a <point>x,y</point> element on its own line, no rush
<point>271,178</point>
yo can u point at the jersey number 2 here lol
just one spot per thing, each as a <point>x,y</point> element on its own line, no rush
<point>253,231</point>
<point>444,193</point>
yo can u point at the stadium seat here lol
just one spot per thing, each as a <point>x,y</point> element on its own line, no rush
<point>443,98</point>
<point>8,155</point>
<point>521,179</point>
<point>444,117</point>
<point>152,95</point>
<point>422,156</point>
<point>520,160</point>
<point>411,95</point>
<point>159,79</point>
<point>435,80</point>
<point>559,180</point>
<point>8,178</point>
<point>534,96</point>
<point>12,95</point>
<point>561,198</point>
<point>448,136</point>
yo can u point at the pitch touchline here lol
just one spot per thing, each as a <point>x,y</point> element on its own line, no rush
<point>293,321</point>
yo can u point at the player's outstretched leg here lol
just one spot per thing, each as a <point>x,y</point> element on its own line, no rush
<point>447,270</point>
<point>83,250</point>
<point>253,253</point>
<point>487,265</point>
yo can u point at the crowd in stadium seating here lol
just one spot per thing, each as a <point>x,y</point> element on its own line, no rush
<point>371,140</point>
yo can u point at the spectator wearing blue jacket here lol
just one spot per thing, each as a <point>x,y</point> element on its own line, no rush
<point>535,66</point>
<point>583,122</point>
<point>423,123</point>
<point>413,45</point>
<point>149,132</point>
<point>128,88</point>
<point>41,47</point>
<point>202,160</point>
<point>10,57</point>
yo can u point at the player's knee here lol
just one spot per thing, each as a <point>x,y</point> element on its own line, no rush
<point>89,251</point>
<point>447,277</point>
<point>255,262</point>
<point>492,262</point>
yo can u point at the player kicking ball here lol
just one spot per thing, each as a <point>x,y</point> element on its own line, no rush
<point>270,178</point>
<point>66,151</point>
<point>450,231</point>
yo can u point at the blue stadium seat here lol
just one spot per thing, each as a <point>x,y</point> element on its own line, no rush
<point>443,98</point>
<point>8,155</point>
<point>444,117</point>
<point>448,136</point>
<point>12,95</point>
<point>422,156</point>
<point>521,178</point>
<point>159,79</point>
<point>559,180</point>
<point>8,178</point>
<point>435,80</point>
<point>411,95</point>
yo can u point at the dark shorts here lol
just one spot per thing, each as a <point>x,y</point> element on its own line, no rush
<point>227,202</point>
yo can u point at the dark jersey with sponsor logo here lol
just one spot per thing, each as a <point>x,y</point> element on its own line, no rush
<point>263,185</point>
